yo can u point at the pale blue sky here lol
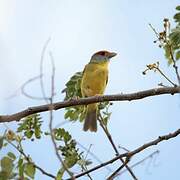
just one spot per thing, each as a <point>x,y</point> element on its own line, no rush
<point>78,29</point>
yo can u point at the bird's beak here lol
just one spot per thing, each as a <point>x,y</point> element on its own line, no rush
<point>112,54</point>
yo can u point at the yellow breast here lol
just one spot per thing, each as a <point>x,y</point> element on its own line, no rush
<point>94,79</point>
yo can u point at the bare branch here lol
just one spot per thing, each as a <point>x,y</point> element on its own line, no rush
<point>124,163</point>
<point>160,71</point>
<point>132,153</point>
<point>174,64</point>
<point>41,69</point>
<point>118,173</point>
<point>113,175</point>
<point>89,100</point>
<point>51,117</point>
<point>26,83</point>
<point>140,162</point>
<point>94,156</point>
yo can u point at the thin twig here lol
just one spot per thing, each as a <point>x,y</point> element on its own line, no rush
<point>22,89</point>
<point>88,151</point>
<point>114,146</point>
<point>139,162</point>
<point>30,161</point>
<point>28,95</point>
<point>156,33</point>
<point>51,118</point>
<point>134,152</point>
<point>174,63</point>
<point>160,71</point>
<point>118,173</point>
<point>84,167</point>
<point>84,101</point>
<point>170,50</point>
<point>113,175</point>
<point>125,149</point>
<point>94,156</point>
<point>41,70</point>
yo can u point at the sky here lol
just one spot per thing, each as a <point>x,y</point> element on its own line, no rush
<point>76,30</point>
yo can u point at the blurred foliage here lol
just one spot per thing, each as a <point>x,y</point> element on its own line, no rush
<point>7,166</point>
<point>169,38</point>
<point>31,125</point>
<point>73,91</point>
<point>15,166</point>
<point>73,86</point>
<point>173,40</point>
<point>68,150</point>
<point>104,110</point>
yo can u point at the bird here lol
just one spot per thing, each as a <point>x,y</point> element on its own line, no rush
<point>93,83</point>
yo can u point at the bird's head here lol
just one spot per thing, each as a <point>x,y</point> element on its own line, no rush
<point>102,56</point>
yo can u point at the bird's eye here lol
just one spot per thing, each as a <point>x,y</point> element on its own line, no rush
<point>102,54</point>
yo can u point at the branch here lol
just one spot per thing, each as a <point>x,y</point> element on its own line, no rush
<point>89,100</point>
<point>174,64</point>
<point>105,129</point>
<point>112,176</point>
<point>140,162</point>
<point>51,118</point>
<point>30,161</point>
<point>118,173</point>
<point>132,153</point>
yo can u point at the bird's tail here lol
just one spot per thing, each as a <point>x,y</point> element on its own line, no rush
<point>91,118</point>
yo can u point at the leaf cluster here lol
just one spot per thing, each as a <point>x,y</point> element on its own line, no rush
<point>31,126</point>
<point>68,149</point>
<point>173,46</point>
<point>12,167</point>
<point>169,38</point>
<point>73,91</point>
<point>7,164</point>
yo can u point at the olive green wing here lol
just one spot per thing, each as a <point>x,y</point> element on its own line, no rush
<point>82,92</point>
<point>84,71</point>
<point>106,79</point>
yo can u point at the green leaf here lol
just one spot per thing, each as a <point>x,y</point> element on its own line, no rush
<point>37,133</point>
<point>74,116</point>
<point>84,162</point>
<point>70,161</point>
<point>28,134</point>
<point>29,169</point>
<point>1,142</point>
<point>7,164</point>
<point>178,8</point>
<point>177,55</point>
<point>177,17</point>
<point>67,137</point>
<point>30,126</point>
<point>4,175</point>
<point>11,155</point>
<point>25,178</point>
<point>167,54</point>
<point>175,37</point>
<point>60,174</point>
<point>21,167</point>
<point>73,86</point>
<point>5,144</point>
<point>20,162</point>
<point>68,114</point>
<point>47,133</point>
